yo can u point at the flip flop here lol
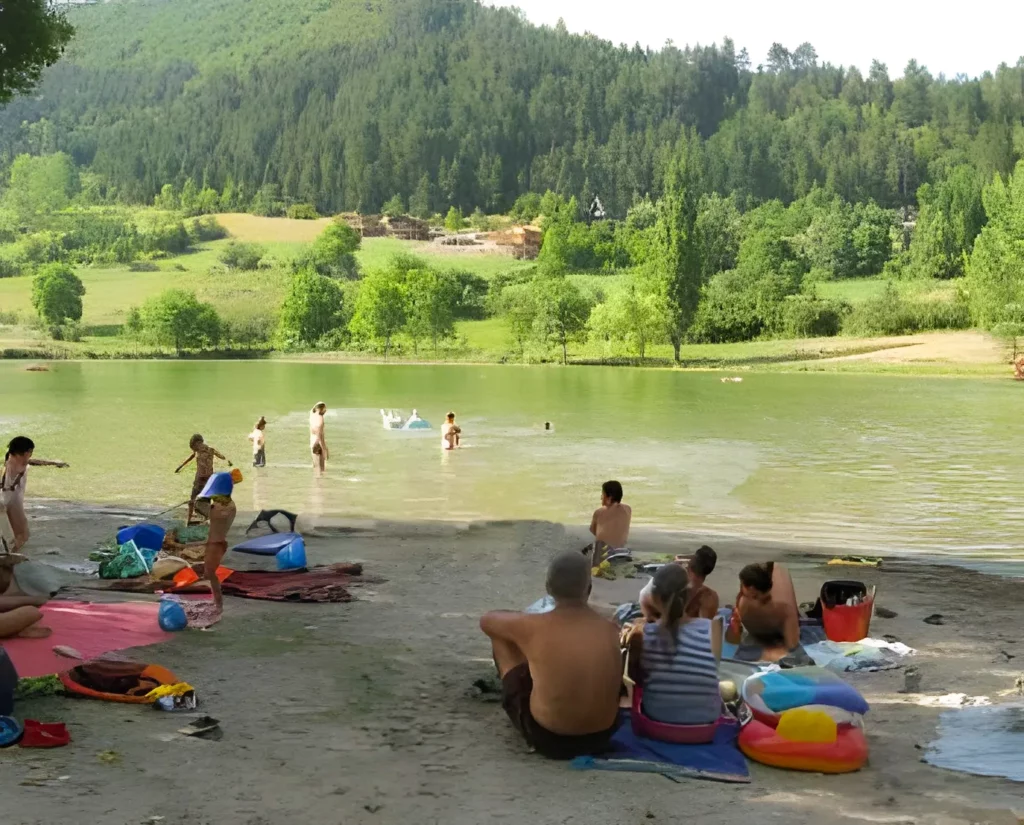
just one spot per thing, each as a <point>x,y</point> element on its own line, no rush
<point>44,734</point>
<point>10,731</point>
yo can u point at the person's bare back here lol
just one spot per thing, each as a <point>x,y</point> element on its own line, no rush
<point>611,524</point>
<point>576,665</point>
<point>561,671</point>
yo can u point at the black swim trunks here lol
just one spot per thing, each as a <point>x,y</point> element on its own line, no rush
<point>517,685</point>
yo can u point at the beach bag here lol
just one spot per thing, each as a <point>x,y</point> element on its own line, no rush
<point>126,682</point>
<point>128,563</point>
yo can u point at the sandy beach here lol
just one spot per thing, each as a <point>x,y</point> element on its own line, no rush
<point>365,712</point>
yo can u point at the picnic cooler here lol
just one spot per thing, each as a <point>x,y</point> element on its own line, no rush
<point>842,622</point>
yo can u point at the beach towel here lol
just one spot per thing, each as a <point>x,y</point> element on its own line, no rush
<point>91,629</point>
<point>867,655</point>
<point>318,584</point>
<point>718,761</point>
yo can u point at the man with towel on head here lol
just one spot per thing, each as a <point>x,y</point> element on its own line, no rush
<point>561,670</point>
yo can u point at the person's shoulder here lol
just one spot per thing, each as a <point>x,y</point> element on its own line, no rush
<point>628,509</point>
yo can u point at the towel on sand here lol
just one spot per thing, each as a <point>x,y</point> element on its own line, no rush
<point>867,655</point>
<point>91,629</point>
<point>317,584</point>
<point>718,761</point>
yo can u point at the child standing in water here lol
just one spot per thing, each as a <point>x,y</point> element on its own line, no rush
<point>259,440</point>
<point>204,454</point>
<point>218,490</point>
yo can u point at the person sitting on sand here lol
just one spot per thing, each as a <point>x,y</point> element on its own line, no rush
<point>259,440</point>
<point>766,608</point>
<point>451,433</point>
<point>12,488</point>
<point>561,671</point>
<point>609,525</point>
<point>703,601</point>
<point>675,659</point>
<point>218,491</point>
<point>204,454</point>
<point>317,439</point>
<point>19,614</point>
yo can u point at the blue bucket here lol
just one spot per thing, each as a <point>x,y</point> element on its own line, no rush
<point>292,556</point>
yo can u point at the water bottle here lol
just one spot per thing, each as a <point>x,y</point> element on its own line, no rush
<point>171,615</point>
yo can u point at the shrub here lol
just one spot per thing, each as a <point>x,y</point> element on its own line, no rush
<point>8,317</point>
<point>302,212</point>
<point>203,229</point>
<point>244,256</point>
<point>70,331</point>
<point>805,316</point>
<point>893,314</point>
<point>10,268</point>
<point>179,319</point>
<point>143,266</point>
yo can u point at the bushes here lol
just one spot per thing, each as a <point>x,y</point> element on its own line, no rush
<point>893,314</point>
<point>302,212</point>
<point>805,316</point>
<point>204,229</point>
<point>57,294</point>
<point>243,256</point>
<point>143,266</point>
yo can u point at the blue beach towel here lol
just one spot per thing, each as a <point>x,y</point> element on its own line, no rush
<point>718,761</point>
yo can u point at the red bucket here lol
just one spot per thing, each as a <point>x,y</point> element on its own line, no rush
<point>842,622</point>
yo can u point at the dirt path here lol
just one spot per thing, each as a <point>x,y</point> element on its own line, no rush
<point>960,347</point>
<point>364,714</point>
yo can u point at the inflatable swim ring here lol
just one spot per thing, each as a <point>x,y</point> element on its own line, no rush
<point>770,694</point>
<point>665,732</point>
<point>805,740</point>
<point>117,681</point>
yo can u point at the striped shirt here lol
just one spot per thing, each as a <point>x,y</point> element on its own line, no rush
<point>681,680</point>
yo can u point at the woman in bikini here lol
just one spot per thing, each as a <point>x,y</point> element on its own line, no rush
<point>12,482</point>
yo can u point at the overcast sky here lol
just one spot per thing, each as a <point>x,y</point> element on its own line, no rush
<point>967,38</point>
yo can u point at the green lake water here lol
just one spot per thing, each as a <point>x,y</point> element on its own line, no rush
<point>874,463</point>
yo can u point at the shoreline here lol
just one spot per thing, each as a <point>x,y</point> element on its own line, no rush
<point>642,533</point>
<point>365,713</point>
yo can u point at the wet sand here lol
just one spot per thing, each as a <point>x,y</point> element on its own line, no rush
<point>364,712</point>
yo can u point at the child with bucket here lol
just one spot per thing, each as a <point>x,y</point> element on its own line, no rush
<point>218,492</point>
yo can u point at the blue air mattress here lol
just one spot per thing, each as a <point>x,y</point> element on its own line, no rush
<point>266,545</point>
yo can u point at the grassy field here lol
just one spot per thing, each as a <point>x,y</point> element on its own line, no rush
<point>244,297</point>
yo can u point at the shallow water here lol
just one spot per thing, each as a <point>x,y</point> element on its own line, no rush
<point>874,463</point>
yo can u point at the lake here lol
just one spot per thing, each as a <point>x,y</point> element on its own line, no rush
<point>873,463</point>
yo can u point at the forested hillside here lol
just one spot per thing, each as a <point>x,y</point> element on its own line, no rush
<point>345,103</point>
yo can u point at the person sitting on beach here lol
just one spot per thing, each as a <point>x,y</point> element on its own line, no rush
<point>317,438</point>
<point>259,441</point>
<point>703,601</point>
<point>13,481</point>
<point>675,659</point>
<point>19,614</point>
<point>561,671</point>
<point>203,454</point>
<point>609,525</point>
<point>766,608</point>
<point>451,433</point>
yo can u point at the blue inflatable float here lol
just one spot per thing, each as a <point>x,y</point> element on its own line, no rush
<point>288,549</point>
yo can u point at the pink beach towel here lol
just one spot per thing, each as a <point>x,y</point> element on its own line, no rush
<point>91,629</point>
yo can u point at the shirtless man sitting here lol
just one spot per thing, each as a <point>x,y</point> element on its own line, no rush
<point>610,524</point>
<point>766,609</point>
<point>561,671</point>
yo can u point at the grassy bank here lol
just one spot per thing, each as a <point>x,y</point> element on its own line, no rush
<point>253,298</point>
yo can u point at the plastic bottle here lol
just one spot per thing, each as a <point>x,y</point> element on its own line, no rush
<point>171,615</point>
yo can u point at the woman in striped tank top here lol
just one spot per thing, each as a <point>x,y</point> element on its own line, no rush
<point>675,660</point>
